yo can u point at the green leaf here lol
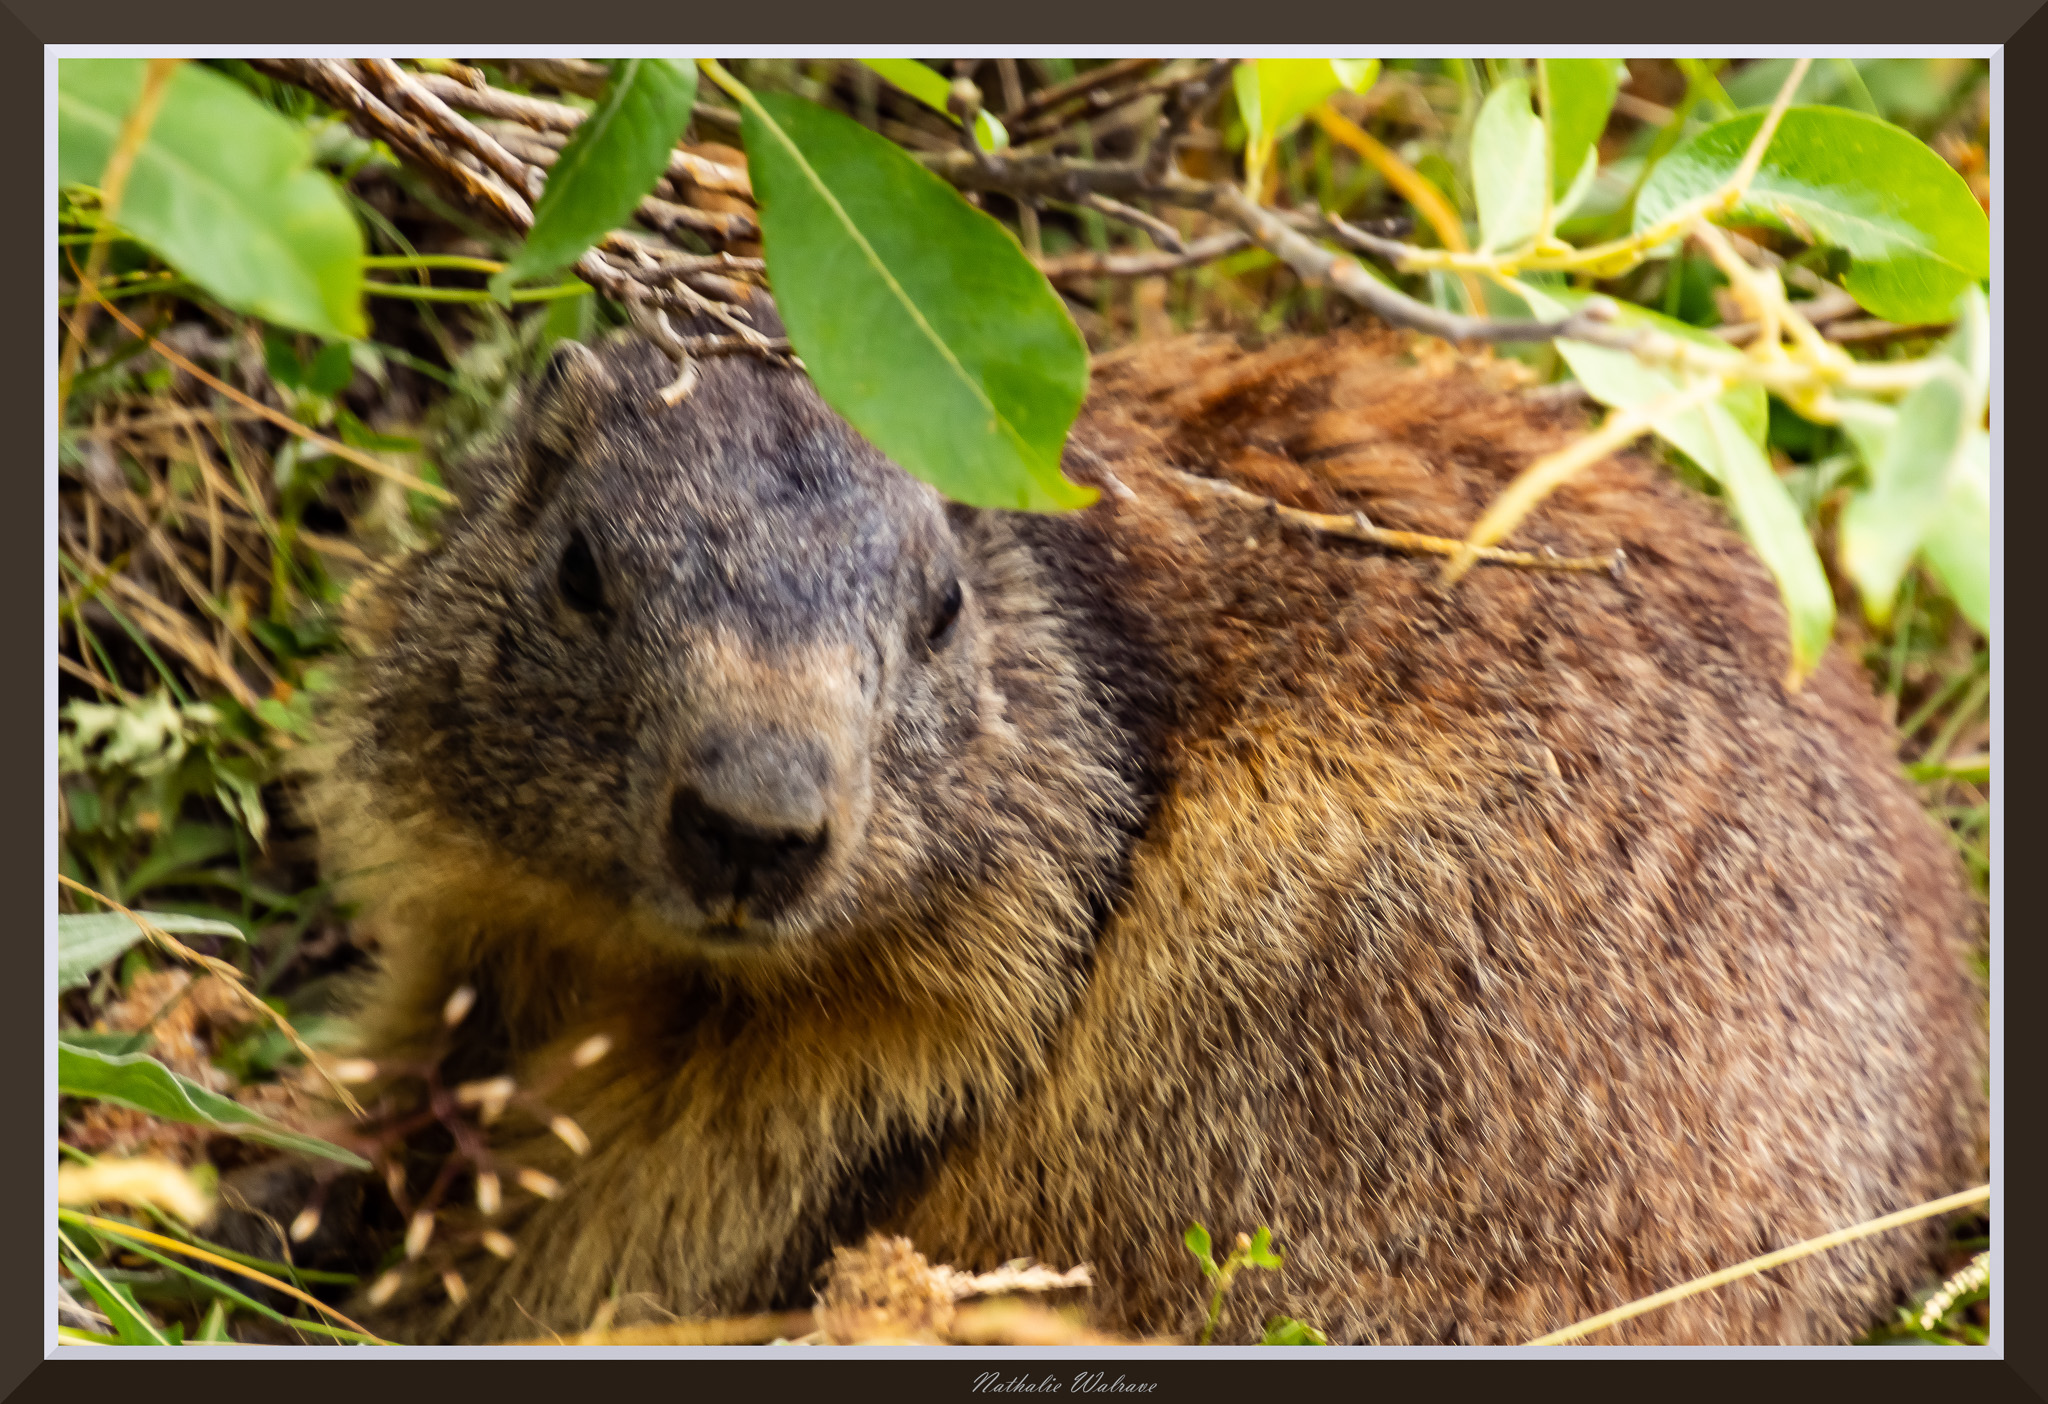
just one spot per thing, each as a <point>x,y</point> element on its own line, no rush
<point>131,1323</point>
<point>1914,234</point>
<point>1958,544</point>
<point>609,165</point>
<point>1275,93</point>
<point>214,1329</point>
<point>931,88</point>
<point>223,190</point>
<point>1729,451</point>
<point>113,1044</point>
<point>1286,1331</point>
<point>139,1081</point>
<point>1917,462</point>
<point>1747,403</point>
<point>1197,1239</point>
<point>1581,94</point>
<point>332,370</point>
<point>1261,1253</point>
<point>1507,167</point>
<point>919,318</point>
<point>1882,528</point>
<point>88,940</point>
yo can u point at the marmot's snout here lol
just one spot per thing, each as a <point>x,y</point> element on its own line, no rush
<point>748,826</point>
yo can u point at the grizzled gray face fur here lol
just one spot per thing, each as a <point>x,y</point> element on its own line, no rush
<point>691,657</point>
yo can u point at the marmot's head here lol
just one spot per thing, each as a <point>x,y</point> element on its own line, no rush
<point>722,665</point>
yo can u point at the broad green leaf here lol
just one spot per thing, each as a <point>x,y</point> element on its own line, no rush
<point>1581,94</point>
<point>88,940</point>
<point>1917,456</point>
<point>1507,167</point>
<point>919,317</point>
<point>140,1081</point>
<point>1882,528</point>
<point>930,87</point>
<point>1914,234</point>
<point>1197,1239</point>
<point>1729,451</point>
<point>223,190</point>
<point>609,165</point>
<point>1958,544</point>
<point>1275,93</point>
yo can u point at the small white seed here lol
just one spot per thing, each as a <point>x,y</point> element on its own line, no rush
<point>490,1096</point>
<point>571,1135</point>
<point>591,1049</point>
<point>305,1225</point>
<point>487,1193</point>
<point>354,1070</point>
<point>534,1182</point>
<point>498,1243</point>
<point>384,1288</point>
<point>455,1287</point>
<point>458,1006</point>
<point>394,1178</point>
<point>417,1233</point>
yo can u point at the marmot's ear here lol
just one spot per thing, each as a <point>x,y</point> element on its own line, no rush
<point>565,395</point>
<point>561,405</point>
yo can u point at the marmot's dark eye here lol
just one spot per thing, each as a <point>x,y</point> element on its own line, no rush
<point>581,583</point>
<point>940,633</point>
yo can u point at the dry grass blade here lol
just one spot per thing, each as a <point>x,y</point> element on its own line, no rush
<point>1357,528</point>
<point>1548,473</point>
<point>282,420</point>
<point>1779,1258</point>
<point>171,1245</point>
<point>233,977</point>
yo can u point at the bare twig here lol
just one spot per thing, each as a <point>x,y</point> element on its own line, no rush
<point>400,87</point>
<point>544,116</point>
<point>1357,528</point>
<point>1163,234</point>
<point>1188,102</point>
<point>1316,265</point>
<point>443,146</point>
<point>1065,267</point>
<point>1094,80</point>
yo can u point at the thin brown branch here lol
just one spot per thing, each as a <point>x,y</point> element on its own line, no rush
<point>544,116</point>
<point>1066,267</point>
<point>1357,528</point>
<point>1163,234</point>
<point>1081,86</point>
<point>1188,102</point>
<point>399,87</point>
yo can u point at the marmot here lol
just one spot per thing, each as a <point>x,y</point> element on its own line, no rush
<point>1043,884</point>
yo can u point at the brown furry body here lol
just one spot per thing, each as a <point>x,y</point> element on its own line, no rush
<point>1511,952</point>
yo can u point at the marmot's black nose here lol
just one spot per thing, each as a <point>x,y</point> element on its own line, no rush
<point>751,828</point>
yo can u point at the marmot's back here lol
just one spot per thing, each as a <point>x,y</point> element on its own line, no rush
<point>1514,951</point>
<point>1040,885</point>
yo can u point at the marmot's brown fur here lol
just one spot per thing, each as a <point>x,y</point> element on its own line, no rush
<point>1041,885</point>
